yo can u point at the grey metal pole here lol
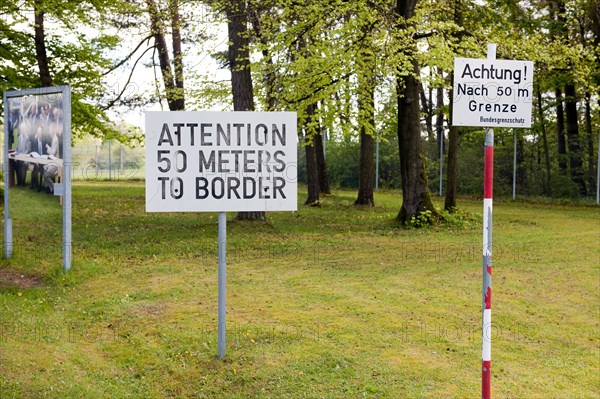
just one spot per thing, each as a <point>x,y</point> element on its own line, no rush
<point>441,161</point>
<point>377,161</point>
<point>67,222</point>
<point>222,283</point>
<point>514,182</point>
<point>598,177</point>
<point>109,161</point>
<point>121,159</point>
<point>7,219</point>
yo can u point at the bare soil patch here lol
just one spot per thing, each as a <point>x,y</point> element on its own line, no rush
<point>11,278</point>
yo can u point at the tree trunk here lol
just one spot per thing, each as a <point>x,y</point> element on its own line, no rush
<point>156,26</point>
<point>239,57</point>
<point>521,180</point>
<point>178,93</point>
<point>544,142</point>
<point>366,180</point>
<point>590,143</point>
<point>454,133</point>
<point>428,108</point>
<point>415,193</point>
<point>560,131</point>
<point>439,119</point>
<point>321,163</point>
<point>239,65</point>
<point>311,159</point>
<point>40,44</point>
<point>366,115</point>
<point>269,75</point>
<point>316,137</point>
<point>439,128</point>
<point>366,121</point>
<point>574,145</point>
<point>452,167</point>
<point>594,14</point>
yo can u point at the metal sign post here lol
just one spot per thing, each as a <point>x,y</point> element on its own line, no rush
<point>59,96</point>
<point>109,161</point>
<point>221,162</point>
<point>441,161</point>
<point>67,164</point>
<point>377,161</point>
<point>490,92</point>
<point>222,284</point>
<point>514,182</point>
<point>488,186</point>
<point>7,219</point>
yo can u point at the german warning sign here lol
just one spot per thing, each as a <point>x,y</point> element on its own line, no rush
<point>492,93</point>
<point>221,161</point>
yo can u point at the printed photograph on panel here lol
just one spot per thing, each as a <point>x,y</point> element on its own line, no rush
<point>35,142</point>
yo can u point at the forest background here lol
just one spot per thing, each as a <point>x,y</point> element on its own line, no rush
<point>360,74</point>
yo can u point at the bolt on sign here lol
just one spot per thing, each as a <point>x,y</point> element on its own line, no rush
<point>492,93</point>
<point>221,161</point>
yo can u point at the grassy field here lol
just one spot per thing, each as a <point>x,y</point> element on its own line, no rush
<point>329,302</point>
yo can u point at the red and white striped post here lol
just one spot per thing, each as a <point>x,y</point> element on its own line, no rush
<point>488,187</point>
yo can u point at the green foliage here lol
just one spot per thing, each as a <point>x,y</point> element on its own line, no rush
<point>423,219</point>
<point>318,53</point>
<point>460,219</point>
<point>343,157</point>
<point>343,163</point>
<point>454,219</point>
<point>77,45</point>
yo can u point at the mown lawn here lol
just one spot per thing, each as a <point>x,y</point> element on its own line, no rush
<point>329,302</point>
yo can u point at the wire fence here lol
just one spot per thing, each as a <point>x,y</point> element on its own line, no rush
<point>103,160</point>
<point>108,160</point>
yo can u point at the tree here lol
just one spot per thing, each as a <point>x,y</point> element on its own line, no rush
<point>366,123</point>
<point>573,139</point>
<point>36,54</point>
<point>572,117</point>
<point>551,34</point>
<point>567,80</point>
<point>319,64</point>
<point>560,131</point>
<point>40,43</point>
<point>239,65</point>
<point>312,172</point>
<point>321,162</point>
<point>267,59</point>
<point>452,168</point>
<point>588,23</point>
<point>366,111</point>
<point>542,123</point>
<point>297,35</point>
<point>173,82</point>
<point>366,69</point>
<point>415,193</point>
<point>454,133</point>
<point>427,107</point>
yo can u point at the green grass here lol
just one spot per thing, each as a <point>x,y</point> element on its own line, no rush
<point>329,302</point>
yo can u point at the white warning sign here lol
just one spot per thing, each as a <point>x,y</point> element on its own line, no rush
<point>492,93</point>
<point>221,161</point>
